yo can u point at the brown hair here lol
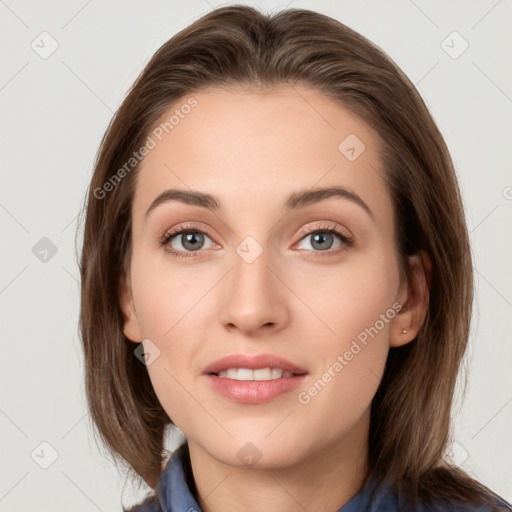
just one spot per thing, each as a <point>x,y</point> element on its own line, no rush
<point>238,46</point>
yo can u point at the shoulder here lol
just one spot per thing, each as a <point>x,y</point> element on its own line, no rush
<point>148,505</point>
<point>500,506</point>
<point>390,499</point>
<point>397,504</point>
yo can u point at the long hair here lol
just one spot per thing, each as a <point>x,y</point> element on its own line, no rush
<point>238,46</point>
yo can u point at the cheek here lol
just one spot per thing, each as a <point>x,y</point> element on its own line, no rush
<point>350,296</point>
<point>168,302</point>
<point>164,293</point>
<point>354,302</point>
<point>349,364</point>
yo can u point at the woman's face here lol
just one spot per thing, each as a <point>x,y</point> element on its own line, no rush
<point>265,275</point>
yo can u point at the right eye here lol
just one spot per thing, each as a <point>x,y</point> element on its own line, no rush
<point>191,239</point>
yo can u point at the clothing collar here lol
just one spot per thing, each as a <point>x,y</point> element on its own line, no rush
<point>173,491</point>
<point>175,494</point>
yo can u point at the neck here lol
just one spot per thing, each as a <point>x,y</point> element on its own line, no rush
<point>325,478</point>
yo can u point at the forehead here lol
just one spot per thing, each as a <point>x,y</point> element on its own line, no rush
<point>251,149</point>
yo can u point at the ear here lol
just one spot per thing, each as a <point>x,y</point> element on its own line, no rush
<point>131,327</point>
<point>414,297</point>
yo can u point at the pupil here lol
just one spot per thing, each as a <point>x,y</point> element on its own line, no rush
<point>319,238</point>
<point>191,238</point>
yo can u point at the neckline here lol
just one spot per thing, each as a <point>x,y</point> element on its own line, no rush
<point>177,490</point>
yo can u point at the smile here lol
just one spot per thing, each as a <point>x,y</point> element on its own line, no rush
<point>259,374</point>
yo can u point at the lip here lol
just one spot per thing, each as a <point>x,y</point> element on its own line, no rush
<point>253,362</point>
<point>254,392</point>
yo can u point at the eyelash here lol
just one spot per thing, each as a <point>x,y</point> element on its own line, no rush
<point>325,228</point>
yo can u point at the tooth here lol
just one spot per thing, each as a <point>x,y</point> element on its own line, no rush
<point>244,374</point>
<point>277,373</point>
<point>262,374</point>
<point>232,373</point>
<point>256,375</point>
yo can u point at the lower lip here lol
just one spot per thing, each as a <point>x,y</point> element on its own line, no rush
<point>254,391</point>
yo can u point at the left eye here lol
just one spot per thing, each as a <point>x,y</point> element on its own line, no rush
<point>323,240</point>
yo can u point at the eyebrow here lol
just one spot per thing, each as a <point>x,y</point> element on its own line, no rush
<point>296,200</point>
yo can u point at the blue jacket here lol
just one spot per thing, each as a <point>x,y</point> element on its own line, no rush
<point>175,495</point>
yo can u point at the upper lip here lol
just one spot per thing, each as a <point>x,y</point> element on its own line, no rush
<point>253,362</point>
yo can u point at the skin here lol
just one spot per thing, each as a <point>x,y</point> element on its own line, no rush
<point>250,150</point>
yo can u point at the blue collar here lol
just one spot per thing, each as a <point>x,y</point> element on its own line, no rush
<point>175,496</point>
<point>173,491</point>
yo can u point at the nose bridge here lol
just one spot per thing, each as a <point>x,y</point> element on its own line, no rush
<point>251,274</point>
<point>251,261</point>
<point>252,299</point>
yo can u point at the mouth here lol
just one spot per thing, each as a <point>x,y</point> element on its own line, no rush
<point>254,379</point>
<point>258,374</point>
<point>252,391</point>
<point>253,367</point>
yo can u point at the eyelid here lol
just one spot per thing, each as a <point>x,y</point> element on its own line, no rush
<point>326,226</point>
<point>187,227</point>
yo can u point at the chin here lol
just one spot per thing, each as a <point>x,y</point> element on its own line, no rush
<point>260,453</point>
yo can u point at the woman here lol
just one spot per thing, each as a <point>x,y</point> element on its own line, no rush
<point>303,377</point>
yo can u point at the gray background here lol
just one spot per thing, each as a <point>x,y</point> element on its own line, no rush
<point>54,111</point>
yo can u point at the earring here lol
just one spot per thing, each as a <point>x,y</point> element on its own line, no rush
<point>404,331</point>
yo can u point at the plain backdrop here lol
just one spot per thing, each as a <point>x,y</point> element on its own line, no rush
<point>65,68</point>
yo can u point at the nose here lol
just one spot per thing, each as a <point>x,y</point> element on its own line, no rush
<point>253,298</point>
